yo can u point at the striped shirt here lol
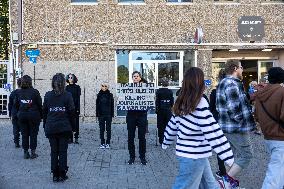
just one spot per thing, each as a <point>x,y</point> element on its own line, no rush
<point>197,134</point>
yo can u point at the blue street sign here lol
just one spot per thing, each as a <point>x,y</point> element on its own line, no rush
<point>7,86</point>
<point>32,53</point>
<point>208,82</point>
<point>33,60</point>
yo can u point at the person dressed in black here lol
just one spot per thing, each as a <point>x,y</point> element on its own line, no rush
<point>212,106</point>
<point>164,103</point>
<point>13,115</point>
<point>28,108</point>
<point>75,90</point>
<point>105,113</point>
<point>136,118</point>
<point>58,118</point>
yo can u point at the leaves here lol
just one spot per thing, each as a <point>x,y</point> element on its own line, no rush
<point>4,29</point>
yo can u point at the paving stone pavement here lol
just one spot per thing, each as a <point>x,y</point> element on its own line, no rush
<point>91,167</point>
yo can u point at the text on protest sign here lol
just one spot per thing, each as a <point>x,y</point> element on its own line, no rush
<point>136,96</point>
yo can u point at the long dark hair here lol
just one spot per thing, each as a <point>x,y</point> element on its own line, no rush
<point>191,92</point>
<point>58,83</point>
<point>26,82</point>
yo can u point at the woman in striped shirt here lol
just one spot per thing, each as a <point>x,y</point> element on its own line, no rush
<point>197,134</point>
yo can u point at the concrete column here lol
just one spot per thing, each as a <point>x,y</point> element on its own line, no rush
<point>204,61</point>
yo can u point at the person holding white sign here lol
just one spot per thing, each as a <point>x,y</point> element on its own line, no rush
<point>136,118</point>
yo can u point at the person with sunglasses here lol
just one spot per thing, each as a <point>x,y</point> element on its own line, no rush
<point>105,113</point>
<point>75,90</point>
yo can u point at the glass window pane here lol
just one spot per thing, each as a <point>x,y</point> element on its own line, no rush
<point>280,1</point>
<point>264,67</point>
<point>179,1</point>
<point>122,66</point>
<point>188,60</point>
<point>129,1</point>
<point>122,57</point>
<point>84,1</point>
<point>216,67</point>
<point>169,71</point>
<point>156,56</point>
<point>3,75</point>
<point>147,70</point>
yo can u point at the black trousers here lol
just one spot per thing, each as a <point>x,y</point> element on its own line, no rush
<point>133,121</point>
<point>163,117</point>
<point>29,130</point>
<point>16,130</point>
<point>222,167</point>
<point>59,145</point>
<point>105,124</point>
<point>75,128</point>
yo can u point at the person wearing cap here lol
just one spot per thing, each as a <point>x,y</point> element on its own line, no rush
<point>164,103</point>
<point>270,115</point>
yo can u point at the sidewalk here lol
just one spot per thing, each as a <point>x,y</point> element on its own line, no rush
<point>91,167</point>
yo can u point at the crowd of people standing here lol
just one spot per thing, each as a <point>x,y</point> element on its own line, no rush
<point>199,126</point>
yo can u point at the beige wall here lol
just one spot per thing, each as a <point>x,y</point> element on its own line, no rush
<point>153,22</point>
<point>119,26</point>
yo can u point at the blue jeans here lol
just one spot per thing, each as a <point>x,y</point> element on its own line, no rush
<point>194,174</point>
<point>241,146</point>
<point>274,178</point>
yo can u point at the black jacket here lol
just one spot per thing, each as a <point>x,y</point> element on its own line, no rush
<point>75,90</point>
<point>11,109</point>
<point>28,104</point>
<point>58,113</point>
<point>104,104</point>
<point>164,99</point>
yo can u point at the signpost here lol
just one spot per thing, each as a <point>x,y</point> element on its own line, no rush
<point>33,54</point>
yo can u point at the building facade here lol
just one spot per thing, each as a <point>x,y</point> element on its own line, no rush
<point>105,40</point>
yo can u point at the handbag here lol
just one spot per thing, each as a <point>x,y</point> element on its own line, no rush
<point>280,122</point>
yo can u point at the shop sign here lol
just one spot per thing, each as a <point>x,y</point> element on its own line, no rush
<point>251,28</point>
<point>136,96</point>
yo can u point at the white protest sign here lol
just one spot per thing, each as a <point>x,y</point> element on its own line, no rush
<point>136,96</point>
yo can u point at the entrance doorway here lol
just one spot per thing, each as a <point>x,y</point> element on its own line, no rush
<point>250,72</point>
<point>254,70</point>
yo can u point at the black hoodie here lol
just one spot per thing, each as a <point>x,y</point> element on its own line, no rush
<point>104,104</point>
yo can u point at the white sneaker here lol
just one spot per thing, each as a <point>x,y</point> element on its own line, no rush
<point>224,184</point>
<point>102,146</point>
<point>107,146</point>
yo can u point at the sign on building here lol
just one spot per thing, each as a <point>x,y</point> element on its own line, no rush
<point>136,96</point>
<point>251,28</point>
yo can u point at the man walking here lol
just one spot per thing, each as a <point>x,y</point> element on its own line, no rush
<point>235,118</point>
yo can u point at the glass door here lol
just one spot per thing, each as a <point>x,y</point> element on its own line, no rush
<point>263,67</point>
<point>4,92</point>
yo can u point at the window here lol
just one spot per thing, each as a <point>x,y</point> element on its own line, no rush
<point>273,1</point>
<point>84,1</point>
<point>235,1</point>
<point>131,1</point>
<point>178,1</point>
